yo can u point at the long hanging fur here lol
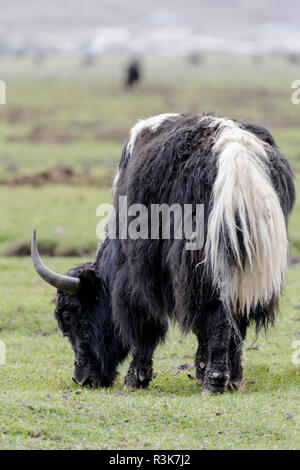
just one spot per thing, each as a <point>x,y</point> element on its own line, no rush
<point>246,222</point>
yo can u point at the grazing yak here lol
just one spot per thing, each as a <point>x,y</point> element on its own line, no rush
<point>133,74</point>
<point>122,302</point>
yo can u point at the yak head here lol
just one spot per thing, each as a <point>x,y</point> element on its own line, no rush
<point>84,317</point>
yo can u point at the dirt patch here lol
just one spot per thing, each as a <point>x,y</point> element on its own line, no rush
<point>42,135</point>
<point>73,252</point>
<point>97,130</point>
<point>116,135</point>
<point>61,174</point>
<point>163,90</point>
<point>21,250</point>
<point>266,102</point>
<point>75,132</point>
<point>16,115</point>
<point>55,175</point>
<point>44,249</point>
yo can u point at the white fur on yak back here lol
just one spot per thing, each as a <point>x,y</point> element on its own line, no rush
<point>152,123</point>
<point>243,192</point>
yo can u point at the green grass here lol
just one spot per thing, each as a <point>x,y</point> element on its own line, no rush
<point>53,211</point>
<point>61,113</point>
<point>42,408</point>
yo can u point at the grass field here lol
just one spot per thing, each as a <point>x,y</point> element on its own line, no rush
<point>62,132</point>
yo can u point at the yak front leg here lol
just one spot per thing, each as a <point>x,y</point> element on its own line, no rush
<point>218,332</point>
<point>140,370</point>
<point>138,330</point>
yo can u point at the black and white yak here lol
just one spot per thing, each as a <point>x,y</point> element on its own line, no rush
<point>122,302</point>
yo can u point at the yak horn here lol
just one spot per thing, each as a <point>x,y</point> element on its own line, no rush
<point>66,283</point>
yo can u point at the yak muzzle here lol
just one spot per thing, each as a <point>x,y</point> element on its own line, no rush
<point>84,377</point>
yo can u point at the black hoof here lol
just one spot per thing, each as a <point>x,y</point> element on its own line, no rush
<point>215,382</point>
<point>137,379</point>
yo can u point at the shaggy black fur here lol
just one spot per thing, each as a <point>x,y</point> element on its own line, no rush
<point>157,279</point>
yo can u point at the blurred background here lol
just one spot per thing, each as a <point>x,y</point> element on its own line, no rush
<point>78,76</point>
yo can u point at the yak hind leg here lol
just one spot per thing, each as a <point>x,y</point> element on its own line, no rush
<point>236,382</point>
<point>218,332</point>
<point>201,358</point>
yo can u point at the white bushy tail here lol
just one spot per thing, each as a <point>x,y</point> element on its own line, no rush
<point>243,191</point>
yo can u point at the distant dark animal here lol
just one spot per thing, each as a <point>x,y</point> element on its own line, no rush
<point>133,74</point>
<point>195,58</point>
<point>293,58</point>
<point>122,301</point>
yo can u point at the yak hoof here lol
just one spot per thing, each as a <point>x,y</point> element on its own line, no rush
<point>142,377</point>
<point>208,391</point>
<point>215,381</point>
<point>129,388</point>
<point>236,386</point>
<point>138,378</point>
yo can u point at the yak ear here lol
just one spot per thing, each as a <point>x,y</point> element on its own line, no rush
<point>90,283</point>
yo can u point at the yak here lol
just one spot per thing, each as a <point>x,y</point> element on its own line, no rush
<point>133,74</point>
<point>123,302</point>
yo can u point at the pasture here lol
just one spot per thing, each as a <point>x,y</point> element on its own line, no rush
<point>62,132</point>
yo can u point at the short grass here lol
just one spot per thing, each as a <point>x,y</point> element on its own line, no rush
<point>63,114</point>
<point>53,210</point>
<point>40,406</point>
